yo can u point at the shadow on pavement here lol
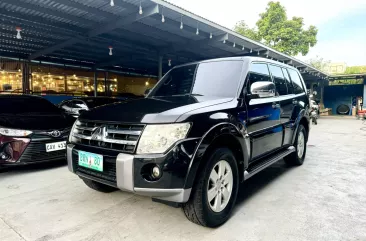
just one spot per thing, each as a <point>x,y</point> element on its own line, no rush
<point>259,181</point>
<point>31,167</point>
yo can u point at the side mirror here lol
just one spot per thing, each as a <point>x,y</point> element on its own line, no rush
<point>263,89</point>
<point>147,91</point>
<point>81,111</point>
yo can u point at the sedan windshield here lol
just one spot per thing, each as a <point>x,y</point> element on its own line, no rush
<point>219,79</point>
<point>24,105</point>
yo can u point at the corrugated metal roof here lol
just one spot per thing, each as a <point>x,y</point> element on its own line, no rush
<point>82,30</point>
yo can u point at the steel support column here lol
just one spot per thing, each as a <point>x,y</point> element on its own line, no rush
<point>95,83</point>
<point>25,78</point>
<point>160,70</point>
<point>106,87</point>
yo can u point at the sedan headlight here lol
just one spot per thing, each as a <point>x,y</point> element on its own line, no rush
<point>158,138</point>
<point>14,132</point>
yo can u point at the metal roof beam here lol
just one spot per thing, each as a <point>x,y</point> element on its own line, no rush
<point>104,28</point>
<point>49,11</point>
<point>119,59</point>
<point>39,23</point>
<point>188,44</point>
<point>86,8</point>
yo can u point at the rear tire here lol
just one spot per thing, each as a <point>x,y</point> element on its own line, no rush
<point>297,158</point>
<point>100,187</point>
<point>215,190</point>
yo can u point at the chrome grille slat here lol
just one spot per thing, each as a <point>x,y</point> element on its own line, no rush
<point>121,137</point>
<point>85,128</point>
<point>126,132</point>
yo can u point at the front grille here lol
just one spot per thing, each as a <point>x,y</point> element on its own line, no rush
<point>121,137</point>
<point>36,151</point>
<point>109,169</point>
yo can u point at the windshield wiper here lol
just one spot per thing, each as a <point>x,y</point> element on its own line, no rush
<point>188,95</point>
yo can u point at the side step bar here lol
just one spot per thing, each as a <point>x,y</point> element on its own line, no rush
<point>251,171</point>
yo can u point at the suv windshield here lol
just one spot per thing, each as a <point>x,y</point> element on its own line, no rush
<point>219,79</point>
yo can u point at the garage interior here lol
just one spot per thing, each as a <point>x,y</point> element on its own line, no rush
<point>77,47</point>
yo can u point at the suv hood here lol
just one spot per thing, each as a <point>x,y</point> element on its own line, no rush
<point>151,110</point>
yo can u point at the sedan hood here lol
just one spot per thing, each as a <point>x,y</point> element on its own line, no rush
<point>150,110</point>
<point>34,121</point>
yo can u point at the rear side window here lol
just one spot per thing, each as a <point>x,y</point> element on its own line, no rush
<point>296,82</point>
<point>279,80</point>
<point>290,88</point>
<point>257,72</point>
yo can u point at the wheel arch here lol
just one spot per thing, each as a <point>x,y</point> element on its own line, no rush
<point>223,135</point>
<point>302,119</point>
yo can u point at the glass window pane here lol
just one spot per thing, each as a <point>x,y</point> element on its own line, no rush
<point>290,88</point>
<point>279,80</point>
<point>176,82</point>
<point>257,72</point>
<point>218,78</point>
<point>11,81</point>
<point>296,81</point>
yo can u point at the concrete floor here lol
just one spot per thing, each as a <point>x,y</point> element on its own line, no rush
<point>325,199</point>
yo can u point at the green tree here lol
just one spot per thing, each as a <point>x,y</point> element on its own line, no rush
<point>319,63</point>
<point>355,70</point>
<point>242,28</point>
<point>277,31</point>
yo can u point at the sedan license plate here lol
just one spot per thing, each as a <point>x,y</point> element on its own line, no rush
<point>91,161</point>
<point>56,146</point>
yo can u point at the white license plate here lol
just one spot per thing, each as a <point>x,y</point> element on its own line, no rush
<point>56,146</point>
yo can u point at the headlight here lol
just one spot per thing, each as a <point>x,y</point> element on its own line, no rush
<point>72,130</point>
<point>158,138</point>
<point>14,132</point>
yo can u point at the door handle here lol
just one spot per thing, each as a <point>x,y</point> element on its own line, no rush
<point>275,106</point>
<point>294,102</point>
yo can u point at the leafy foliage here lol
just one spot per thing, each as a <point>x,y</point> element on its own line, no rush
<point>355,70</point>
<point>276,30</point>
<point>346,82</point>
<point>319,63</point>
<point>242,28</point>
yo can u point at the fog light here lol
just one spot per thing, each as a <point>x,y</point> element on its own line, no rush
<point>156,172</point>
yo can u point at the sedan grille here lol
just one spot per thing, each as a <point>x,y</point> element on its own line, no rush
<point>121,137</point>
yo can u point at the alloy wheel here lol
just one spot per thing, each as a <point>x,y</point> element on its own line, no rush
<point>220,186</point>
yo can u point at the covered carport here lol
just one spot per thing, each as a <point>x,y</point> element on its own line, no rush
<point>144,38</point>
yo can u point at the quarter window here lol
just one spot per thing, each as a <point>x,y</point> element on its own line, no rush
<point>296,81</point>
<point>279,80</point>
<point>290,88</point>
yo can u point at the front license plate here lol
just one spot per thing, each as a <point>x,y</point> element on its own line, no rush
<point>56,146</point>
<point>91,161</point>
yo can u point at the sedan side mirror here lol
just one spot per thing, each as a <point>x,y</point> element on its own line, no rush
<point>263,89</point>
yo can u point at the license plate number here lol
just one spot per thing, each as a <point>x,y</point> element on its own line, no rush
<point>56,146</point>
<point>91,161</point>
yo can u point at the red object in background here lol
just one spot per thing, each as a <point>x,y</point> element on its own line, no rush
<point>12,147</point>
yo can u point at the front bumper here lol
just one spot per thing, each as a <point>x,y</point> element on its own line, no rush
<point>32,152</point>
<point>124,171</point>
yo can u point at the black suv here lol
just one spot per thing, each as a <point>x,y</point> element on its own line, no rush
<point>205,127</point>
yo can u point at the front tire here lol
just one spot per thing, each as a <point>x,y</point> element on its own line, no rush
<point>214,193</point>
<point>297,158</point>
<point>100,187</point>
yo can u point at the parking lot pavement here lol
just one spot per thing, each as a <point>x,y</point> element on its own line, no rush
<point>325,199</point>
